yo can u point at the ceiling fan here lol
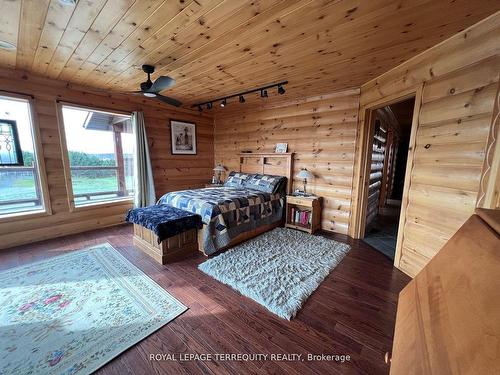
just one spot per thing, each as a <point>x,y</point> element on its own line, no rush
<point>152,89</point>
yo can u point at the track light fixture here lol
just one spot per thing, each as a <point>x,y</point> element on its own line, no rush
<point>240,95</point>
<point>200,108</point>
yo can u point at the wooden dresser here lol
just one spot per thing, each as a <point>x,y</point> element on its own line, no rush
<point>448,319</point>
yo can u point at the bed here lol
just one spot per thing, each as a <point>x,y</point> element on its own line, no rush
<point>251,202</point>
<point>227,212</point>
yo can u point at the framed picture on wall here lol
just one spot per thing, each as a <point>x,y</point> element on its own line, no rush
<point>183,136</point>
<point>281,148</point>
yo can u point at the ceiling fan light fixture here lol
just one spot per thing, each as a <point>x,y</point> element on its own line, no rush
<point>153,90</point>
<point>67,2</point>
<point>7,45</point>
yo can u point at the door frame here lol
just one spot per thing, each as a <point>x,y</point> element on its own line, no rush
<point>362,167</point>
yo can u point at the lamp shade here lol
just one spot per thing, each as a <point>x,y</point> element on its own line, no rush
<point>304,174</point>
<point>219,168</point>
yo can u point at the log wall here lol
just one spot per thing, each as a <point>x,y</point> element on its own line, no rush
<point>460,79</point>
<point>171,172</point>
<point>376,169</point>
<point>320,131</point>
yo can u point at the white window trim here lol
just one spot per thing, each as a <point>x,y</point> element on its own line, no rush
<point>40,161</point>
<point>66,164</point>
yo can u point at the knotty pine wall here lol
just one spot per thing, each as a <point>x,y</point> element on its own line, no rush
<point>460,81</point>
<point>460,78</point>
<point>321,131</point>
<point>171,172</point>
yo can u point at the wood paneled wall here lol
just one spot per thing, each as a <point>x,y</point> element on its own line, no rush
<point>171,172</point>
<point>321,131</point>
<point>460,78</point>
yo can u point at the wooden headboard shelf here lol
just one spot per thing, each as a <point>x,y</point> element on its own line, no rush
<point>268,163</point>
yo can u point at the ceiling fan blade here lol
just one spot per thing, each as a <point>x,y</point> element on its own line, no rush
<point>162,83</point>
<point>168,100</point>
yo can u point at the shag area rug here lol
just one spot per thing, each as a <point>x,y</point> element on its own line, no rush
<point>73,313</point>
<point>279,269</point>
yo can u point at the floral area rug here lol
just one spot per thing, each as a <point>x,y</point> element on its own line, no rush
<point>73,313</point>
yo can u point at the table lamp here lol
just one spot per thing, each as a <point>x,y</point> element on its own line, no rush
<point>218,170</point>
<point>305,175</point>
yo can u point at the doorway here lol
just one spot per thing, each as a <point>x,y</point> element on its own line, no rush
<point>390,137</point>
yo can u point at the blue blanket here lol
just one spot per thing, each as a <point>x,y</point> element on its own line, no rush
<point>227,211</point>
<point>164,221</point>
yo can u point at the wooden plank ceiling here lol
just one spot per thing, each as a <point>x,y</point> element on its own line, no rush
<point>218,47</point>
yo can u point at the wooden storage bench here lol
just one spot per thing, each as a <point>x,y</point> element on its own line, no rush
<point>165,233</point>
<point>172,248</point>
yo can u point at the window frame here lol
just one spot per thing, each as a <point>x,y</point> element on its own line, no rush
<point>65,158</point>
<point>40,162</point>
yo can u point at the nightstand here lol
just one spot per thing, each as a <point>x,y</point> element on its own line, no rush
<point>303,213</point>
<point>213,185</point>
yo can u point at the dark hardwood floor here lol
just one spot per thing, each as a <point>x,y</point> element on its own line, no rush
<point>351,313</point>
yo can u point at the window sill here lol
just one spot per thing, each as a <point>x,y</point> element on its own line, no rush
<point>20,216</point>
<point>96,205</point>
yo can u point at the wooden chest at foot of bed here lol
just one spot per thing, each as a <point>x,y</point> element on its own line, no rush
<point>170,249</point>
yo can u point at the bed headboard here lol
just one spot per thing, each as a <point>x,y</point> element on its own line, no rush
<point>269,163</point>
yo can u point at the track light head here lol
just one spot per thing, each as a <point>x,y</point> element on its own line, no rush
<point>281,90</point>
<point>200,108</point>
<point>223,103</point>
<point>242,99</point>
<point>209,105</point>
<point>263,93</point>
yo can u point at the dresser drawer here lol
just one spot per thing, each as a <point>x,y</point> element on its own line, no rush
<point>300,201</point>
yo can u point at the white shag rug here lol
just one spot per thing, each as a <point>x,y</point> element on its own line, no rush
<point>279,269</point>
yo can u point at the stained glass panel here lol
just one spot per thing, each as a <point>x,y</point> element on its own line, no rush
<point>10,149</point>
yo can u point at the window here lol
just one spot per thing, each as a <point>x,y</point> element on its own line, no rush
<point>20,184</point>
<point>100,149</point>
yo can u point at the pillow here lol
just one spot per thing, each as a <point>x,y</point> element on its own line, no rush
<point>266,183</point>
<point>236,179</point>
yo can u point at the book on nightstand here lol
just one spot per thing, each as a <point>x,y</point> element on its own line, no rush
<point>302,217</point>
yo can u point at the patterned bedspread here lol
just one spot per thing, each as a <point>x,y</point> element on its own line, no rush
<point>227,211</point>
